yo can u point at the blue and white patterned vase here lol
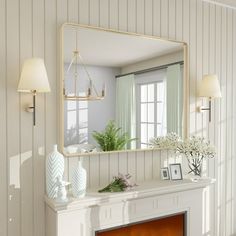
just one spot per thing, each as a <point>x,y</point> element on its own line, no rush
<point>54,170</point>
<point>79,181</point>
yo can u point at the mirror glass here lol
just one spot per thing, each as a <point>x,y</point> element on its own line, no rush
<point>119,90</point>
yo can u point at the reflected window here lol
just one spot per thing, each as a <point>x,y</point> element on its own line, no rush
<point>152,111</point>
<point>76,122</point>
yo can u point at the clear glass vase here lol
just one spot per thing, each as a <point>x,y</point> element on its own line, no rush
<point>195,167</point>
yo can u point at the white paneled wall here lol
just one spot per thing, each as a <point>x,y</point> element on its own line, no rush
<point>31,28</point>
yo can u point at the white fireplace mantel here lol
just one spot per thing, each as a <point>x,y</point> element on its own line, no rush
<point>149,200</point>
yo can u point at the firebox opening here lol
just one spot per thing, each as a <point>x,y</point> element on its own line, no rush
<point>171,225</point>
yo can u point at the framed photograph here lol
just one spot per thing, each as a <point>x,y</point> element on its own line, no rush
<point>165,173</point>
<point>176,172</point>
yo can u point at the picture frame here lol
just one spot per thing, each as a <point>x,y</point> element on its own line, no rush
<point>165,175</point>
<point>176,171</point>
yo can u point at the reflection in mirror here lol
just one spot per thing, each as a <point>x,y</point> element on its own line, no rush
<point>119,90</point>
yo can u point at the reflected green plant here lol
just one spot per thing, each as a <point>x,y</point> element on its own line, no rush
<point>112,139</point>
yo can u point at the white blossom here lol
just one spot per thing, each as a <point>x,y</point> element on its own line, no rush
<point>194,147</point>
<point>170,141</point>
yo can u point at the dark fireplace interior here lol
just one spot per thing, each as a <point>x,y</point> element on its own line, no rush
<point>167,226</point>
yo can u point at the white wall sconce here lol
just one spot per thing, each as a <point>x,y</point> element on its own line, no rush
<point>209,88</point>
<point>33,80</point>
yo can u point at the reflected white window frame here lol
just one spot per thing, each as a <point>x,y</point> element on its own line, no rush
<point>161,78</point>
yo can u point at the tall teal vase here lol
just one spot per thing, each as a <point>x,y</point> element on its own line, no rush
<point>54,169</point>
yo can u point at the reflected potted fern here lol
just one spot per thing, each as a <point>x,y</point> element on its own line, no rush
<point>112,138</point>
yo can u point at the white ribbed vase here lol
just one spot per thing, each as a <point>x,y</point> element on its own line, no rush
<point>54,169</point>
<point>79,181</point>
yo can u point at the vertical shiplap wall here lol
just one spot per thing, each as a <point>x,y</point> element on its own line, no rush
<point>31,28</point>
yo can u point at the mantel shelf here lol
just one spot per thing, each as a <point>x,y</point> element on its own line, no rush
<point>144,189</point>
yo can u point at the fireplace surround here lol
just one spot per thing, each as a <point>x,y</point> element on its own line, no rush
<point>96,213</point>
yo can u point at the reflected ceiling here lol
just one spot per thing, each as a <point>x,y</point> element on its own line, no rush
<point>117,50</point>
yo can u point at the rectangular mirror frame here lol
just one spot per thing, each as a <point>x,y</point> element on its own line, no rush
<point>61,89</point>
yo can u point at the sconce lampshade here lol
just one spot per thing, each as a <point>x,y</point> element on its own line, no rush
<point>209,87</point>
<point>34,77</point>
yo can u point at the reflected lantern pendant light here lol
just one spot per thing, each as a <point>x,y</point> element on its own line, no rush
<point>91,93</point>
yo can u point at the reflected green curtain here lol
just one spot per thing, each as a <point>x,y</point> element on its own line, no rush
<point>126,106</point>
<point>174,99</point>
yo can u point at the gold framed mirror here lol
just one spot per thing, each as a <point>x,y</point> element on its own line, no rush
<point>119,89</point>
